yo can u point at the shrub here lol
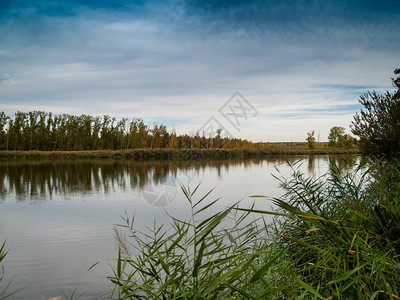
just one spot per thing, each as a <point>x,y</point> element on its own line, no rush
<point>378,125</point>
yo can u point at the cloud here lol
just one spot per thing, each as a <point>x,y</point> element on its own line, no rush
<point>177,62</point>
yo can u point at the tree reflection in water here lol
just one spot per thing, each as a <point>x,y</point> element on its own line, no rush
<point>40,180</point>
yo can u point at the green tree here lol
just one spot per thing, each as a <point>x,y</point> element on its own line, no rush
<point>43,130</point>
<point>335,134</point>
<point>378,124</point>
<point>311,139</point>
<point>3,130</point>
<point>217,142</point>
<point>137,133</point>
<point>156,141</point>
<point>105,133</point>
<point>346,141</point>
<point>96,133</point>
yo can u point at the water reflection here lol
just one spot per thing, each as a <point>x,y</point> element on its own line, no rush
<point>41,180</point>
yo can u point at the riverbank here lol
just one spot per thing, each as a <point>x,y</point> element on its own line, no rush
<point>172,153</point>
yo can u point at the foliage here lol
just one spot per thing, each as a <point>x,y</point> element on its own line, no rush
<point>378,125</point>
<point>346,141</point>
<point>342,233</point>
<point>337,138</point>
<point>42,131</point>
<point>311,139</point>
<point>334,134</point>
<point>333,237</point>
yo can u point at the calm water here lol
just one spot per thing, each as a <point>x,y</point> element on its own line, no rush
<point>58,216</point>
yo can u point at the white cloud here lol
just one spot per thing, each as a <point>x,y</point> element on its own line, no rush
<point>176,71</point>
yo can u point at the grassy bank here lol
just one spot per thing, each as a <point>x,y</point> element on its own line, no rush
<point>172,153</point>
<point>333,237</point>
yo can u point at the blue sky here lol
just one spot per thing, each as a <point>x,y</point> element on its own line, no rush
<point>301,64</point>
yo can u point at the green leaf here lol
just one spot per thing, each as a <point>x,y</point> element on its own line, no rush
<point>347,274</point>
<point>243,293</point>
<point>262,212</point>
<point>214,223</point>
<point>307,287</point>
<point>264,269</point>
<point>119,270</point>
<point>198,259</point>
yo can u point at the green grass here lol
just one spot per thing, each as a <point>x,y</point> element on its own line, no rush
<point>333,237</point>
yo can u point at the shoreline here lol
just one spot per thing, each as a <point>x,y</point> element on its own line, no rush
<point>170,153</point>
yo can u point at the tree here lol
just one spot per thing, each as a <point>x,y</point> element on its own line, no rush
<point>311,139</point>
<point>173,142</point>
<point>335,134</point>
<point>346,141</point>
<point>3,130</point>
<point>378,124</point>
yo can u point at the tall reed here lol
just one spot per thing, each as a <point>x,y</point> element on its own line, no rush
<point>4,287</point>
<point>333,237</point>
<point>341,231</point>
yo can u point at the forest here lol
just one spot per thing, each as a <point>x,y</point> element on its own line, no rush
<point>45,131</point>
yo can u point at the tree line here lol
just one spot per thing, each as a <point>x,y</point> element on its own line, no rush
<point>43,131</point>
<point>337,138</point>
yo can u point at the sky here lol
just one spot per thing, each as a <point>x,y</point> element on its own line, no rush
<point>298,66</point>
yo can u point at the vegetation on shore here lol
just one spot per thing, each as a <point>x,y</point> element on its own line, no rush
<point>333,237</point>
<point>42,131</point>
<point>178,153</point>
<point>378,124</point>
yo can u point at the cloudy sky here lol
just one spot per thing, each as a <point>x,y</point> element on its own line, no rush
<point>300,65</point>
